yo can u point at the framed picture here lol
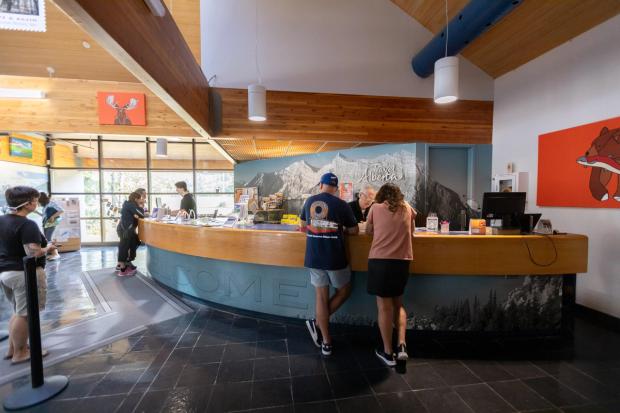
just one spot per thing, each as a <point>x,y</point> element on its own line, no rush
<point>120,108</point>
<point>26,15</point>
<point>346,191</point>
<point>20,148</point>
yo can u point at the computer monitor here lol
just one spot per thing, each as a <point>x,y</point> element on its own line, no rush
<point>507,206</point>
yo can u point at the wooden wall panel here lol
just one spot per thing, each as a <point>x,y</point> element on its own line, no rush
<point>356,118</point>
<point>39,153</point>
<point>71,106</point>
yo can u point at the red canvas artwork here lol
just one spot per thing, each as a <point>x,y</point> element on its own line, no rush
<point>580,166</point>
<point>119,108</point>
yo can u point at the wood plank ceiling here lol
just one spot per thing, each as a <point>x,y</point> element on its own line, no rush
<point>532,29</point>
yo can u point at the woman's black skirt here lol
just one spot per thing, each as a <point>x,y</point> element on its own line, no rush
<point>386,277</point>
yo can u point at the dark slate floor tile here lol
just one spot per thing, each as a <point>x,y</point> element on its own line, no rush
<point>80,386</point>
<point>521,369</point>
<point>301,345</point>
<point>385,381</point>
<point>443,400</point>
<point>240,351</point>
<point>166,378</point>
<point>359,405</point>
<point>519,395</point>
<point>322,407</point>
<point>454,373</point>
<point>271,368</point>
<point>488,370</point>
<point>211,338</point>
<point>279,409</point>
<point>271,332</point>
<point>555,392</point>
<point>311,388</point>
<point>307,365</point>
<point>242,335</point>
<point>198,375</point>
<point>482,399</point>
<point>152,402</point>
<point>210,354</point>
<point>272,348</point>
<point>587,386</point>
<point>135,360</point>
<point>129,403</point>
<point>588,408</point>
<point>101,404</point>
<point>342,362</point>
<point>188,340</point>
<point>54,406</point>
<point>120,382</point>
<point>271,393</point>
<point>230,396</point>
<point>235,371</point>
<point>179,357</point>
<point>187,400</point>
<point>403,402</point>
<point>149,343</point>
<point>610,377</point>
<point>423,376</point>
<point>348,384</point>
<point>367,359</point>
<point>92,364</point>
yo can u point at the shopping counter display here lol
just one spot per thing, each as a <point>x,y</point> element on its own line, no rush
<point>459,282</point>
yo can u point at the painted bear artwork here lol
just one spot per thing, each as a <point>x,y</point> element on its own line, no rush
<point>580,166</point>
<point>603,157</point>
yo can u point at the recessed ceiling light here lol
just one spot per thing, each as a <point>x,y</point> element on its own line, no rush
<point>50,70</point>
<point>86,44</point>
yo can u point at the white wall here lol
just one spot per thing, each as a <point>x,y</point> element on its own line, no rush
<point>574,84</point>
<point>338,46</point>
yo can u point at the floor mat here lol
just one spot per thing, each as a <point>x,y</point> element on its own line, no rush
<point>125,306</point>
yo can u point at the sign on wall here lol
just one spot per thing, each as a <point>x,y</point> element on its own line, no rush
<point>26,15</point>
<point>119,108</point>
<point>580,166</point>
<point>20,148</point>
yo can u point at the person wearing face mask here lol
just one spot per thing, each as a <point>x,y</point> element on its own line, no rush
<point>21,237</point>
<point>361,206</point>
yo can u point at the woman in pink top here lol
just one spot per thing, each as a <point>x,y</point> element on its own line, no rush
<point>391,223</point>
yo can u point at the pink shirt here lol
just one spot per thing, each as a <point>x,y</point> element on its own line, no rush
<point>392,232</point>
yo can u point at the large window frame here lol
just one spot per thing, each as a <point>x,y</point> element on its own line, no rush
<point>151,196</point>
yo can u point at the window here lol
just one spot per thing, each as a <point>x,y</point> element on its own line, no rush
<point>207,204</point>
<point>214,181</point>
<point>123,155</point>
<point>179,156</point>
<point>162,182</point>
<point>72,181</point>
<point>123,181</point>
<point>91,230</point>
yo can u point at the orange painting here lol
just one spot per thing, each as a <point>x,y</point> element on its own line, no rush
<point>118,108</point>
<point>580,166</point>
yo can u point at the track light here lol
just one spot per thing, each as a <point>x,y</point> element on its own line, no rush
<point>162,147</point>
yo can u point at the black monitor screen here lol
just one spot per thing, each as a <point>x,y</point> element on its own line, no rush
<point>501,204</point>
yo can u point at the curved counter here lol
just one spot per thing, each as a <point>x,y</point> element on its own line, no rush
<point>262,270</point>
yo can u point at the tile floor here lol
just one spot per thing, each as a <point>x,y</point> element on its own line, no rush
<point>214,361</point>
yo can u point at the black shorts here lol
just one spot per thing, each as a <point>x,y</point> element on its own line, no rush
<point>387,278</point>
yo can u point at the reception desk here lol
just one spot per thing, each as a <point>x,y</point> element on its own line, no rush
<point>459,281</point>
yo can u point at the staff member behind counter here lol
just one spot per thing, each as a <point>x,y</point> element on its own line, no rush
<point>188,203</point>
<point>361,206</point>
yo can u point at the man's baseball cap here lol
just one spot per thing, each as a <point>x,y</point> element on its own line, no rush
<point>329,179</point>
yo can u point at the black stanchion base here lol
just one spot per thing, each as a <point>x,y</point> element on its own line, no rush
<point>4,335</point>
<point>28,396</point>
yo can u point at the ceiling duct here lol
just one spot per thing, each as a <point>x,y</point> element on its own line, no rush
<point>475,18</point>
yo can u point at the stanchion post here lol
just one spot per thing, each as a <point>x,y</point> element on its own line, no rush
<point>40,389</point>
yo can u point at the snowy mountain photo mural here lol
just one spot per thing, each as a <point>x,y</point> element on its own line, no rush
<point>446,303</point>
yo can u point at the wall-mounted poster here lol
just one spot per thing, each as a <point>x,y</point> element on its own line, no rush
<point>26,15</point>
<point>119,108</point>
<point>580,166</point>
<point>20,148</point>
<point>346,191</point>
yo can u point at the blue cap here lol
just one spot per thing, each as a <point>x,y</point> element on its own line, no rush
<point>329,179</point>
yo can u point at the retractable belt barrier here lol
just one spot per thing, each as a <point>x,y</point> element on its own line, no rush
<point>41,389</point>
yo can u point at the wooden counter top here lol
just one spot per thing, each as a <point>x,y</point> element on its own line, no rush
<point>433,253</point>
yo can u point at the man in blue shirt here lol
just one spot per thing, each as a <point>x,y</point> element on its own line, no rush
<point>325,218</point>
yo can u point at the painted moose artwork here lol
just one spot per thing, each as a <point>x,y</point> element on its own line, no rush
<point>117,108</point>
<point>580,166</point>
<point>603,157</point>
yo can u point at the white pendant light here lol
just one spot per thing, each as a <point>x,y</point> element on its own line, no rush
<point>257,93</point>
<point>446,74</point>
<point>447,79</point>
<point>162,147</point>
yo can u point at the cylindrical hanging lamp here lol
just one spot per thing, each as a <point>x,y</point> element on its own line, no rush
<point>257,103</point>
<point>446,79</point>
<point>162,147</point>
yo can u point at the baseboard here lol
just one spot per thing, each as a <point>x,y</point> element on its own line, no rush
<point>604,320</point>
